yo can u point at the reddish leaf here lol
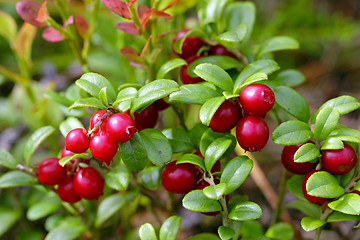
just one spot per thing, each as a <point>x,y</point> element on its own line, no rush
<point>128,27</point>
<point>42,13</point>
<point>28,11</point>
<point>52,35</point>
<point>142,54</point>
<point>162,14</point>
<point>131,55</point>
<point>143,9</point>
<point>118,7</point>
<point>81,26</point>
<point>170,5</point>
<point>145,17</point>
<point>69,21</point>
<point>131,2</point>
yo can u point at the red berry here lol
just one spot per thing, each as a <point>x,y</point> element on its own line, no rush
<point>121,127</point>
<point>179,178</point>
<point>88,183</point>
<point>190,46</point>
<point>287,159</point>
<point>66,191</point>
<point>252,133</point>
<point>226,117</point>
<point>103,147</point>
<point>185,78</point>
<point>96,118</point>
<point>161,104</point>
<point>76,141</point>
<point>220,50</point>
<point>216,167</point>
<point>65,153</point>
<point>50,172</point>
<point>340,161</point>
<point>257,99</point>
<point>147,118</point>
<point>318,200</point>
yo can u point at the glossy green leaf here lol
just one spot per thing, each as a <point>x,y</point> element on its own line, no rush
<point>294,185</point>
<point>170,228</point>
<point>346,134</point>
<point>16,179</point>
<point>256,77</point>
<point>42,209</point>
<point>291,133</point>
<point>157,146</point>
<point>69,124</point>
<point>195,93</point>
<point>35,140</point>
<point>245,211</point>
<point>57,97</point>
<point>93,83</point>
<point>193,159</point>
<point>326,121</point>
<point>63,161</point>
<point>289,78</point>
<point>214,11</point>
<point>197,132</point>
<point>209,108</point>
<point>204,236</point>
<point>179,139</point>
<point>323,184</point>
<point>307,153</point>
<point>133,153</point>
<point>235,35</point>
<point>169,66</point>
<point>280,231</point>
<point>87,102</point>
<point>215,75</point>
<point>147,232</point>
<point>276,44</point>
<point>249,228</point>
<point>8,217</point>
<point>70,228</point>
<point>310,209</point>
<point>118,178</point>
<point>8,27</point>
<point>126,94</point>
<point>103,98</point>
<point>310,224</point>
<point>348,204</point>
<point>209,137</point>
<point>225,232</point>
<point>7,159</point>
<point>341,217</point>
<point>332,143</point>
<point>215,150</point>
<point>108,207</point>
<point>215,192</point>
<point>198,202</point>
<point>151,177</point>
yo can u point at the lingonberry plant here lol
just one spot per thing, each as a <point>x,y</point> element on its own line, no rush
<point>179,130</point>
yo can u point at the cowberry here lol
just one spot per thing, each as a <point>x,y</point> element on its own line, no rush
<point>147,118</point>
<point>76,140</point>
<point>103,147</point>
<point>220,50</point>
<point>65,153</point>
<point>96,118</point>
<point>287,159</point>
<point>121,127</point>
<point>66,191</point>
<point>318,200</point>
<point>216,167</point>
<point>179,178</point>
<point>339,161</point>
<point>257,99</point>
<point>252,133</point>
<point>185,78</point>
<point>190,46</point>
<point>226,117</point>
<point>50,172</point>
<point>88,183</point>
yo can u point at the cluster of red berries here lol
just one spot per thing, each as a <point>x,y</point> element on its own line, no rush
<point>337,162</point>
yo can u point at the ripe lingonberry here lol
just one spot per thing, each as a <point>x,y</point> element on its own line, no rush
<point>190,46</point>
<point>50,172</point>
<point>252,133</point>
<point>121,127</point>
<point>103,147</point>
<point>185,78</point>
<point>318,200</point>
<point>179,178</point>
<point>76,140</point>
<point>66,191</point>
<point>257,99</point>
<point>216,167</point>
<point>88,183</point>
<point>220,50</point>
<point>339,161</point>
<point>287,159</point>
<point>65,153</point>
<point>226,117</point>
<point>96,118</point>
<point>147,118</point>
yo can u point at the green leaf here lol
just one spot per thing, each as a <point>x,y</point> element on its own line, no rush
<point>235,173</point>
<point>69,124</point>
<point>256,77</point>
<point>289,78</point>
<point>264,66</point>
<point>133,153</point>
<point>193,159</point>
<point>147,232</point>
<point>310,224</point>
<point>63,161</point>
<point>7,159</point>
<point>307,153</point>
<point>225,233</point>
<point>9,27</point>
<point>179,139</point>
<point>215,75</point>
<point>108,207</point>
<point>209,108</point>
<point>323,184</point>
<point>151,177</point>
<point>197,93</point>
<point>8,217</point>
<point>56,97</point>
<point>70,228</point>
<point>215,150</point>
<point>310,209</point>
<point>157,146</point>
<point>204,236</point>
<point>292,133</point>
<point>35,140</point>
<point>93,83</point>
<point>170,228</point>
<point>87,102</point>
<point>215,192</point>
<point>168,66</point>
<point>332,144</point>
<point>292,102</point>
<point>198,202</point>
<point>348,204</point>
<point>294,185</point>
<point>209,137</point>
<point>16,179</point>
<point>249,228</point>
<point>197,132</point>
<point>326,121</point>
<point>341,217</point>
<point>245,211</point>
<point>280,231</point>
<point>214,11</point>
<point>276,44</point>
<point>118,178</point>
<point>125,95</point>
<point>235,35</point>
<point>346,134</point>
<point>42,209</point>
<point>103,98</point>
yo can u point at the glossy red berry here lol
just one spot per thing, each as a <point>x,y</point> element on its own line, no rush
<point>287,159</point>
<point>252,133</point>
<point>147,118</point>
<point>50,172</point>
<point>179,178</point>
<point>96,118</point>
<point>216,167</point>
<point>220,50</point>
<point>121,127</point>
<point>66,191</point>
<point>340,161</point>
<point>190,46</point>
<point>318,200</point>
<point>257,99</point>
<point>76,141</point>
<point>185,78</point>
<point>226,117</point>
<point>88,183</point>
<point>103,147</point>
<point>65,153</point>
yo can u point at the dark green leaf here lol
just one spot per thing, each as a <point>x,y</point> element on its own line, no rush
<point>323,184</point>
<point>16,179</point>
<point>69,124</point>
<point>197,132</point>
<point>108,207</point>
<point>348,204</point>
<point>133,153</point>
<point>195,93</point>
<point>118,179</point>
<point>310,209</point>
<point>294,185</point>
<point>249,228</point>
<point>209,108</point>
<point>280,231</point>
<point>326,121</point>
<point>310,224</point>
<point>245,211</point>
<point>87,102</point>
<point>8,217</point>
<point>198,202</point>
<point>204,236</point>
<point>179,139</point>
<point>289,78</point>
<point>209,137</point>
<point>103,98</point>
<point>215,75</point>
<point>215,151</point>
<point>225,233</point>
<point>170,228</point>
<point>291,133</point>
<point>332,143</point>
<point>340,217</point>
<point>70,228</point>
<point>193,159</point>
<point>276,44</point>
<point>215,192</point>
<point>235,35</point>
<point>307,153</point>
<point>168,66</point>
<point>93,83</point>
<point>57,97</point>
<point>151,177</point>
<point>42,209</point>
<point>147,232</point>
<point>7,159</point>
